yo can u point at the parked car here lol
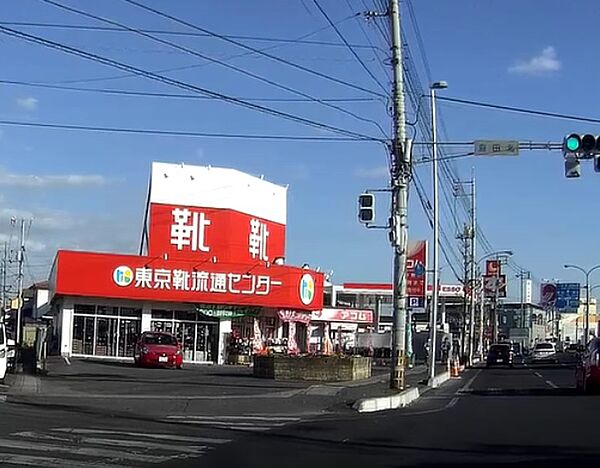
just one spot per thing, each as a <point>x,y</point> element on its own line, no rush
<point>544,352</point>
<point>574,348</point>
<point>3,352</point>
<point>11,353</point>
<point>500,354</point>
<point>158,349</point>
<point>587,371</point>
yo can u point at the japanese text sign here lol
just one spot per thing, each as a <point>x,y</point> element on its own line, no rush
<point>155,279</point>
<point>189,233</point>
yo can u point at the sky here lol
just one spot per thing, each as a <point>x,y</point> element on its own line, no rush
<point>86,190</point>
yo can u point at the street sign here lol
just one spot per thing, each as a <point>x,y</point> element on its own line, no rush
<point>567,297</point>
<point>496,148</point>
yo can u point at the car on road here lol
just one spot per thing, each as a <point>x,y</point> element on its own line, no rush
<point>544,352</point>
<point>587,370</point>
<point>500,354</point>
<point>158,349</point>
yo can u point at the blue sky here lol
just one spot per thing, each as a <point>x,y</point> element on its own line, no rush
<point>89,188</point>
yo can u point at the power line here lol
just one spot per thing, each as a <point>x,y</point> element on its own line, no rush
<point>124,92</point>
<point>257,51</point>
<point>349,47</point>
<point>213,60</point>
<point>158,132</point>
<point>520,110</point>
<point>80,27</point>
<point>177,83</point>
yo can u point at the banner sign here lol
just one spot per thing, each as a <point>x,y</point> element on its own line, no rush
<point>226,313</point>
<point>135,277</point>
<point>448,290</point>
<point>416,267</point>
<point>293,316</point>
<point>342,315</point>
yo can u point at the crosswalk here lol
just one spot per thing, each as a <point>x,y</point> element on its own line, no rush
<point>252,423</point>
<point>71,447</point>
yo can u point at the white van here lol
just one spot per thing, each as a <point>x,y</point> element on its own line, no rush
<point>3,352</point>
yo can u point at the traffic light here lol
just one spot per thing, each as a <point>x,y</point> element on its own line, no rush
<point>581,146</point>
<point>572,167</point>
<point>366,208</point>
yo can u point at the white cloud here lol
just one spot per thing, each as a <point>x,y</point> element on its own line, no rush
<point>51,181</point>
<point>377,172</point>
<point>546,62</point>
<point>28,103</point>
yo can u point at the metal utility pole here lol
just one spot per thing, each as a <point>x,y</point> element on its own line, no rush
<point>472,281</point>
<point>400,177</point>
<point>20,259</point>
<point>436,232</point>
<point>4,267</point>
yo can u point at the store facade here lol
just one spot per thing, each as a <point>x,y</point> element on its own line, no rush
<point>212,269</point>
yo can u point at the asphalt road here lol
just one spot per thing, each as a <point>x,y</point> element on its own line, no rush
<point>526,416</point>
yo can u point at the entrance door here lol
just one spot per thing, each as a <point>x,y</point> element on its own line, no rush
<point>106,336</point>
<point>89,327</point>
<point>129,331</point>
<point>185,333</point>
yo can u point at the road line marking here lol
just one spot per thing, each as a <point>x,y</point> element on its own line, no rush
<point>452,402</point>
<point>467,386</point>
<point>169,437</point>
<point>230,419</point>
<point>227,426</point>
<point>537,374</point>
<point>552,384</point>
<point>83,451</point>
<point>30,460</point>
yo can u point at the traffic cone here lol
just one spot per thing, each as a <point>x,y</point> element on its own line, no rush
<point>454,370</point>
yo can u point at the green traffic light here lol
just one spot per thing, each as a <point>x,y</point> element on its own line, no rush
<point>573,143</point>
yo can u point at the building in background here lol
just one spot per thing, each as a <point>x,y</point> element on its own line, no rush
<point>211,270</point>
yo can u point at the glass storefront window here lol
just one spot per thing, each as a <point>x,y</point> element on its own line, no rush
<point>162,314</point>
<point>85,309</point>
<point>131,312</point>
<point>107,310</point>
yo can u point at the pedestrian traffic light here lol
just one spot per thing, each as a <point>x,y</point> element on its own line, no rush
<point>572,167</point>
<point>581,146</point>
<point>366,208</point>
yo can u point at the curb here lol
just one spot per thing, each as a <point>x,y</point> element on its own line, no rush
<point>439,379</point>
<point>399,400</point>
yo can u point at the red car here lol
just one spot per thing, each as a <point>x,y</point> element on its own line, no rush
<point>587,372</point>
<point>158,349</point>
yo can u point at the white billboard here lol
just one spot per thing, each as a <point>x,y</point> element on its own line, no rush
<point>217,187</point>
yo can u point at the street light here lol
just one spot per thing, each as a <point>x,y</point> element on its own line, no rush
<point>436,231</point>
<point>497,255</point>
<point>587,296</point>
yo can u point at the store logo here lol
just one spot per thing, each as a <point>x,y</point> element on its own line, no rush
<point>123,276</point>
<point>307,289</point>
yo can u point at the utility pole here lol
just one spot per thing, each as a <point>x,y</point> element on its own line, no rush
<point>20,259</point>
<point>472,281</point>
<point>400,177</point>
<point>4,267</point>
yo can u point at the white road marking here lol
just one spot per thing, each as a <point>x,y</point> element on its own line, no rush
<point>238,418</point>
<point>169,437</point>
<point>552,384</point>
<point>30,460</point>
<point>537,374</point>
<point>467,387</point>
<point>84,451</point>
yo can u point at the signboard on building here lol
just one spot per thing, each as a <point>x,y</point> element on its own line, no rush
<point>416,267</point>
<point>494,286</point>
<point>342,315</point>
<point>208,213</point>
<point>154,279</point>
<point>528,292</point>
<point>564,297</point>
<point>493,268</point>
<point>448,290</point>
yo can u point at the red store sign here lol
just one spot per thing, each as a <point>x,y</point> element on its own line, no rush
<point>155,279</point>
<point>191,233</point>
